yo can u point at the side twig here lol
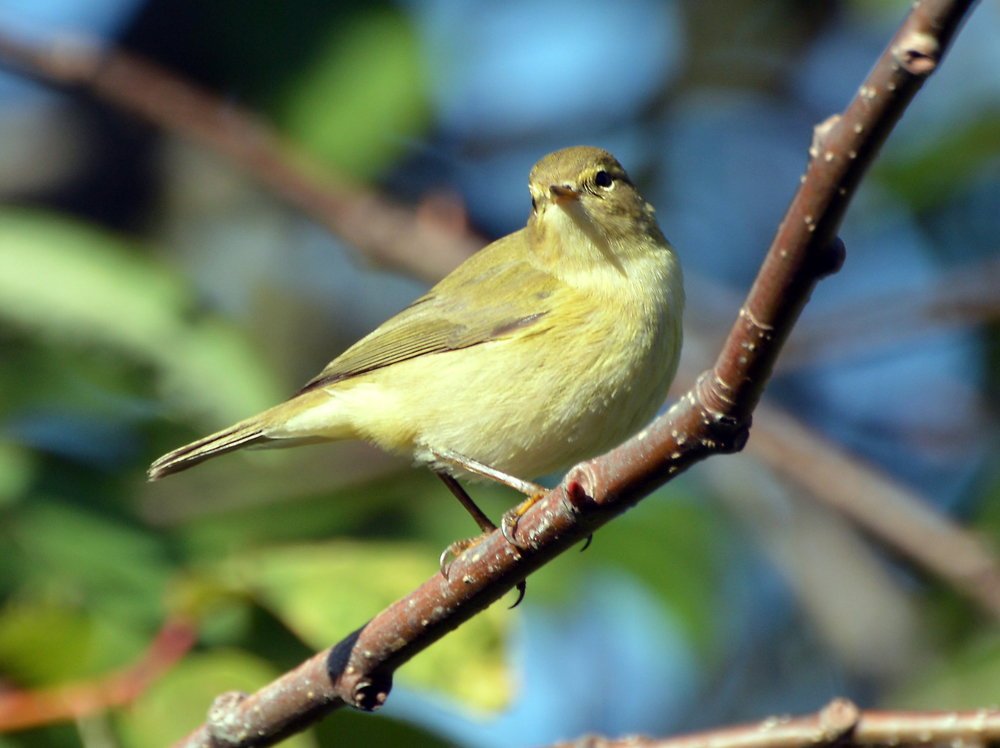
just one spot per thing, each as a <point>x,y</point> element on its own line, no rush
<point>20,710</point>
<point>713,418</point>
<point>389,234</point>
<point>878,505</point>
<point>840,722</point>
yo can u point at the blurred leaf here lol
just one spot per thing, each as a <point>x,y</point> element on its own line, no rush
<point>949,163</point>
<point>970,680</point>
<point>30,635</point>
<point>73,284</point>
<point>363,97</point>
<point>117,572</point>
<point>47,642</point>
<point>352,728</point>
<point>325,591</point>
<point>66,280</point>
<point>17,468</point>
<point>175,705</point>
<point>671,542</point>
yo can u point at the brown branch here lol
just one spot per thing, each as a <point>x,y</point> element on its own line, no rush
<point>840,722</point>
<point>713,418</point>
<point>877,504</point>
<point>426,243</point>
<point>20,710</point>
<point>963,297</point>
<point>874,502</point>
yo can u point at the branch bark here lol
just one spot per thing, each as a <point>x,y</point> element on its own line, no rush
<point>712,418</point>
<point>878,505</point>
<point>840,722</point>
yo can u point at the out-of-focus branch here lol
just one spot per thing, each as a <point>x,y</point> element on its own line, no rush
<point>964,297</point>
<point>874,502</point>
<point>877,504</point>
<point>840,722</point>
<point>20,710</point>
<point>713,418</point>
<point>426,243</point>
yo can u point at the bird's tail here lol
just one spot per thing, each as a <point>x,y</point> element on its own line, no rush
<point>244,434</point>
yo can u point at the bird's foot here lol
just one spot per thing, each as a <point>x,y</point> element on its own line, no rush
<point>457,548</point>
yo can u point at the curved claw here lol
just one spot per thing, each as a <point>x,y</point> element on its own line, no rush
<point>445,562</point>
<point>521,587</point>
<point>455,550</point>
<point>587,543</point>
<point>508,526</point>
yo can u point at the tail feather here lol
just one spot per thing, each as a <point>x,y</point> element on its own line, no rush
<point>241,435</point>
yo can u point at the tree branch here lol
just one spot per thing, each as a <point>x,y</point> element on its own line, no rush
<point>839,722</point>
<point>878,505</point>
<point>713,418</point>
<point>20,710</point>
<point>427,244</point>
<point>961,298</point>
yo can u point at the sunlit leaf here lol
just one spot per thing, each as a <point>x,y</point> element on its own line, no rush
<point>116,572</point>
<point>29,633</point>
<point>325,591</point>
<point>16,471</point>
<point>72,284</point>
<point>363,96</point>
<point>970,680</point>
<point>946,165</point>
<point>177,703</point>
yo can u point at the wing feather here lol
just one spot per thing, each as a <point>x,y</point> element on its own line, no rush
<point>459,312</point>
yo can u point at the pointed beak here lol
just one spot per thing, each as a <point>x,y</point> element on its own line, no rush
<point>563,193</point>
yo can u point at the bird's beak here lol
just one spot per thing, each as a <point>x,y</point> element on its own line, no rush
<point>563,193</point>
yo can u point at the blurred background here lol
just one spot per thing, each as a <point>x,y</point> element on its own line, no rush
<point>152,290</point>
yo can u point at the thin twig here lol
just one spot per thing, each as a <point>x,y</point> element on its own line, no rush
<point>877,504</point>
<point>420,243</point>
<point>840,722</point>
<point>20,710</point>
<point>711,419</point>
<point>961,298</point>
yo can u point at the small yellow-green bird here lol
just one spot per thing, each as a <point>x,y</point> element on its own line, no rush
<point>548,347</point>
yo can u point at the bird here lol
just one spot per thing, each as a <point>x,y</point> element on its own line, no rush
<point>545,348</point>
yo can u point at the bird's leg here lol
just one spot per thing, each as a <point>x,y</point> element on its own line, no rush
<point>484,522</point>
<point>474,466</point>
<point>508,523</point>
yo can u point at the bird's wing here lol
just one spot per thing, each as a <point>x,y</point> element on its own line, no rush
<point>492,300</point>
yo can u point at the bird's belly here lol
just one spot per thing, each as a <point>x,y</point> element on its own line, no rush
<point>528,414</point>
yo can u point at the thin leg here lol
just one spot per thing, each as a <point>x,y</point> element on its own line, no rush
<point>484,522</point>
<point>474,466</point>
<point>533,491</point>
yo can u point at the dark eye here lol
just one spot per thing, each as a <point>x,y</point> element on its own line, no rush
<point>534,205</point>
<point>603,179</point>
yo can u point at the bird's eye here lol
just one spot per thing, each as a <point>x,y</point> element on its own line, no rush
<point>534,204</point>
<point>603,179</point>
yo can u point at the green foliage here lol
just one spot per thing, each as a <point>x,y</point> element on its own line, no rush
<point>177,703</point>
<point>71,284</point>
<point>969,680</point>
<point>671,542</point>
<point>928,178</point>
<point>363,96</point>
<point>17,468</point>
<point>325,591</point>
